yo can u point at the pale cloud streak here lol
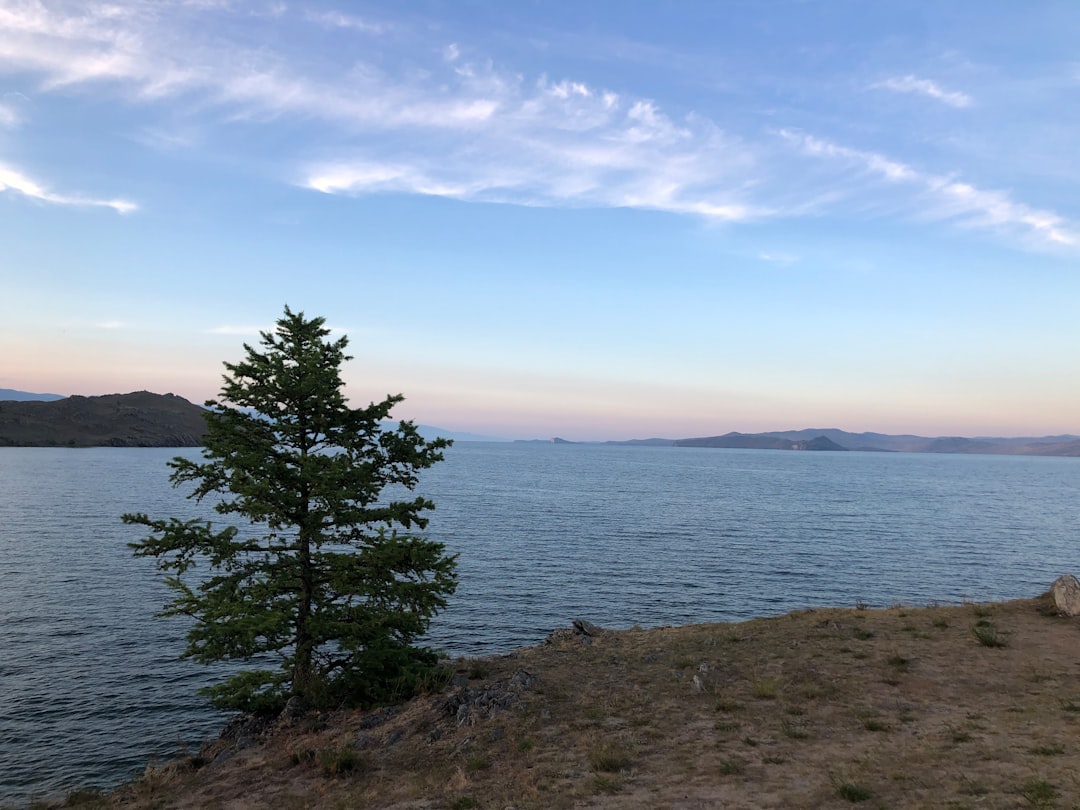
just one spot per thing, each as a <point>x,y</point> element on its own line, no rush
<point>16,181</point>
<point>943,197</point>
<point>336,19</point>
<point>925,87</point>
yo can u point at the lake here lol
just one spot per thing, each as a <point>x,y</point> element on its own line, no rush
<point>92,687</point>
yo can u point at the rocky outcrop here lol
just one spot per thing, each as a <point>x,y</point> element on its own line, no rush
<point>469,704</point>
<point>140,419</point>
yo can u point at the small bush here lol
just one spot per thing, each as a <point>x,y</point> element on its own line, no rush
<point>988,635</point>
<point>898,662</point>
<point>794,730</point>
<point>302,756</point>
<point>1048,750</point>
<point>478,670</point>
<point>732,767</point>
<point>606,784</point>
<point>1038,793</point>
<point>765,688</point>
<point>477,762</point>
<point>339,761</point>
<point>1070,705</point>
<point>958,735</point>
<point>609,758</point>
<point>851,792</point>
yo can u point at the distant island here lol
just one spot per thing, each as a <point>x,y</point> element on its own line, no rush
<point>833,439</point>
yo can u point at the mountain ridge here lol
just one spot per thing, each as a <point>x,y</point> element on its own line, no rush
<point>834,439</point>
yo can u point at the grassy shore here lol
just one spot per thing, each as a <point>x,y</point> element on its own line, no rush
<point>974,706</point>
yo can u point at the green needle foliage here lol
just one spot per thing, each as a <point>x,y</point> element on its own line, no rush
<point>322,586</point>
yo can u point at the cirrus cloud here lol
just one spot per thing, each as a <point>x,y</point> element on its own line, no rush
<point>943,197</point>
<point>14,180</point>
<point>927,88</point>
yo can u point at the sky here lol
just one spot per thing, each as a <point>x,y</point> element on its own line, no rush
<point>596,220</point>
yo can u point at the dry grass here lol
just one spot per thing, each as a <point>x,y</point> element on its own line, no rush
<point>898,708</point>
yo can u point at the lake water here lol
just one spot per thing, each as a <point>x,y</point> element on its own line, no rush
<point>90,682</point>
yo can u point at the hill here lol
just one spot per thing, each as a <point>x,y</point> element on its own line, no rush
<point>23,396</point>
<point>139,419</point>
<point>961,706</point>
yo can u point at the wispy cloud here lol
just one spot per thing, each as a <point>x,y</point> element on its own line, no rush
<point>110,325</point>
<point>777,257</point>
<point>13,180</point>
<point>944,197</point>
<point>8,117</point>
<point>565,143</point>
<point>925,87</point>
<point>336,19</point>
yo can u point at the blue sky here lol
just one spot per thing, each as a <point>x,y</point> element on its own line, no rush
<point>596,220</point>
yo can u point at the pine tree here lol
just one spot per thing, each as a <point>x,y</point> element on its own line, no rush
<point>322,586</point>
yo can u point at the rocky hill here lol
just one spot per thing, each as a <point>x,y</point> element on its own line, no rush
<point>139,419</point>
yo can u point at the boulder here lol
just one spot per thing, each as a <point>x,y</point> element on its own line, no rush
<point>1066,592</point>
<point>586,628</point>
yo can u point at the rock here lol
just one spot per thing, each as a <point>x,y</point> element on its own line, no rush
<point>586,628</point>
<point>377,718</point>
<point>295,709</point>
<point>580,630</point>
<point>469,704</point>
<point>1066,592</point>
<point>522,680</point>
